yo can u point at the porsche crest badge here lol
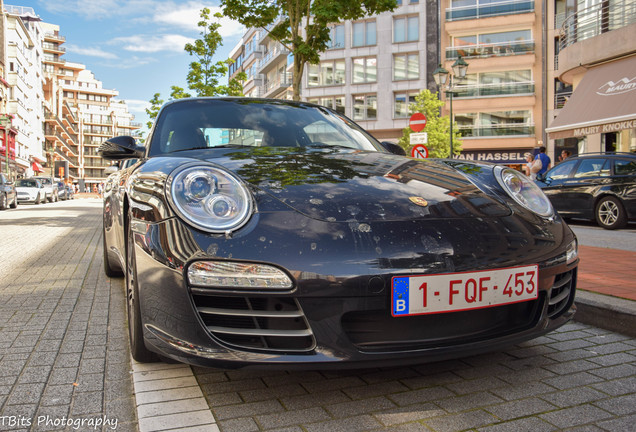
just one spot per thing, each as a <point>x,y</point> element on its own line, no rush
<point>418,201</point>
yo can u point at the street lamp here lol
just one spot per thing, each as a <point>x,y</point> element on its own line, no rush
<point>441,75</point>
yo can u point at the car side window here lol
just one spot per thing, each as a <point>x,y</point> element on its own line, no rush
<point>562,170</point>
<point>590,168</point>
<point>624,167</point>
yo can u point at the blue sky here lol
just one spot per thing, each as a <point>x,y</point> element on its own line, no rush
<point>132,46</point>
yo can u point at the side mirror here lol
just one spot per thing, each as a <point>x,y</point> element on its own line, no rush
<point>541,177</point>
<point>121,147</point>
<point>393,148</point>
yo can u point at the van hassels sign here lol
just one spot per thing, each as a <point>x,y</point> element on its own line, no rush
<point>496,156</point>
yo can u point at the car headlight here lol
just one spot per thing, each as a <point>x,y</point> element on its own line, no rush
<point>524,191</point>
<point>209,198</point>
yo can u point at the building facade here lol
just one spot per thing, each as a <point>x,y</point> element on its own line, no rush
<point>23,134</point>
<point>592,65</point>
<point>80,115</point>
<point>498,107</point>
<point>371,72</point>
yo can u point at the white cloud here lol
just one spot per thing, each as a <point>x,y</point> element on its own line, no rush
<point>89,51</point>
<point>137,106</point>
<point>99,9</point>
<point>153,43</point>
<point>187,16</point>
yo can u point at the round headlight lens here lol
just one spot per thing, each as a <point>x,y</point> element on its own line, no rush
<point>209,198</point>
<point>524,191</point>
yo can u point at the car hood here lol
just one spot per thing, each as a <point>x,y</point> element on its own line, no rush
<point>344,185</point>
<point>26,189</point>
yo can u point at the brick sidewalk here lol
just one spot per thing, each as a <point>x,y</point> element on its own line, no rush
<point>607,271</point>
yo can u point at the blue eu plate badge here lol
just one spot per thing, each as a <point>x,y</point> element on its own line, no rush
<point>400,296</point>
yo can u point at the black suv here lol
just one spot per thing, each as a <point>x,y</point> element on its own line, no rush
<point>596,186</point>
<point>8,194</point>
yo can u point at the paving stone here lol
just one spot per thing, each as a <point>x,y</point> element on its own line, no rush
<point>422,395</point>
<point>522,425</point>
<point>467,402</point>
<point>289,418</point>
<point>520,408</point>
<point>619,405</point>
<point>357,407</point>
<point>353,424</point>
<point>572,397</point>
<point>575,416</point>
<point>460,422</point>
<point>411,413</point>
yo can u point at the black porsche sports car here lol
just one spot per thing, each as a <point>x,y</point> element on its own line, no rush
<point>259,232</point>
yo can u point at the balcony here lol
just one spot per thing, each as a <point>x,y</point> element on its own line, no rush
<point>560,99</point>
<point>595,20</point>
<point>54,35</point>
<point>272,57</point>
<point>498,130</point>
<point>491,9</point>
<point>271,88</point>
<point>491,50</point>
<point>494,90</point>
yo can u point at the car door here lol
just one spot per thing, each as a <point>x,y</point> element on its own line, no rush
<point>553,185</point>
<point>590,176</point>
<point>625,183</point>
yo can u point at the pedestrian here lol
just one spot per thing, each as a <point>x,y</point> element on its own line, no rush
<point>527,167</point>
<point>545,161</point>
<point>564,155</point>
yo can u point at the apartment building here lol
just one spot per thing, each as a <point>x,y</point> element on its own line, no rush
<point>22,134</point>
<point>371,72</point>
<point>499,105</point>
<point>80,115</point>
<point>591,62</point>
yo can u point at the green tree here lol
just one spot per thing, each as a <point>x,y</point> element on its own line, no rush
<point>302,26</point>
<point>437,127</point>
<point>204,75</point>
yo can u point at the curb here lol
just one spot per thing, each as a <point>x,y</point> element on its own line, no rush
<point>607,312</point>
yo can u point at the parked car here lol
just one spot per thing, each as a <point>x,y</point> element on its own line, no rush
<point>30,190</point>
<point>8,194</point>
<point>256,232</point>
<point>595,186</point>
<point>50,187</point>
<point>61,191</point>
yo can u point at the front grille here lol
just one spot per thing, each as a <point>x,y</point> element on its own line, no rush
<point>377,331</point>
<point>275,324</point>
<point>562,293</point>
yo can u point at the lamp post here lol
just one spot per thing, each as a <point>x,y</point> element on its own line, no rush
<point>441,75</point>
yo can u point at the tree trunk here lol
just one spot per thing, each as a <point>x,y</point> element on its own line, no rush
<point>297,76</point>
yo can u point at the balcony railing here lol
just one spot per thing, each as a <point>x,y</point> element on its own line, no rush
<point>560,99</point>
<point>489,90</point>
<point>283,80</point>
<point>273,54</point>
<point>499,130</point>
<point>595,20</point>
<point>489,10</point>
<point>491,50</point>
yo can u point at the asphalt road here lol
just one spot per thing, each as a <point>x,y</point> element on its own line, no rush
<point>63,354</point>
<point>590,234</point>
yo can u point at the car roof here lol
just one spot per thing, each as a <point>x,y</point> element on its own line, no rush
<point>606,154</point>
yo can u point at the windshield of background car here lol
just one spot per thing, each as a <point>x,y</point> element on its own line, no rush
<point>27,183</point>
<point>209,123</point>
<point>45,181</point>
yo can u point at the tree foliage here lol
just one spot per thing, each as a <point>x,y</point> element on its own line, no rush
<point>437,127</point>
<point>204,74</point>
<point>302,26</point>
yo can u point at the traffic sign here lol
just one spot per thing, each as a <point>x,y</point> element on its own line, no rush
<point>419,152</point>
<point>418,138</point>
<point>417,122</point>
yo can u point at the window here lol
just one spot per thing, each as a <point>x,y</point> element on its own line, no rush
<point>406,67</point>
<point>499,123</point>
<point>562,170</point>
<point>406,29</point>
<point>326,73</point>
<point>364,33</point>
<point>624,167</point>
<point>336,103</point>
<point>365,107</point>
<point>496,83</point>
<point>337,37</point>
<point>365,70</point>
<point>401,103</point>
<point>592,168</point>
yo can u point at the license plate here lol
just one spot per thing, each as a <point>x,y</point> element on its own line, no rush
<point>453,292</point>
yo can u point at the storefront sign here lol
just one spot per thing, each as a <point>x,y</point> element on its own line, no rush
<point>496,156</point>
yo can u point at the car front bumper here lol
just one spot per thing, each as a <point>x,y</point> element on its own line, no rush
<point>339,309</point>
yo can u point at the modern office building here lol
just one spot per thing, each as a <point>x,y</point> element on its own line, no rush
<point>592,64</point>
<point>371,72</point>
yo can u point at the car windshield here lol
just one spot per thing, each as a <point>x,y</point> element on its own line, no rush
<point>209,123</point>
<point>27,183</point>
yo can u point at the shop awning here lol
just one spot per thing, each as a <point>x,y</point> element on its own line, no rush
<point>37,167</point>
<point>604,101</point>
